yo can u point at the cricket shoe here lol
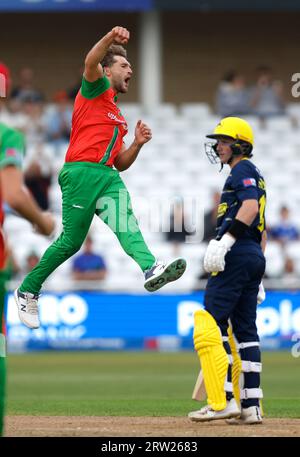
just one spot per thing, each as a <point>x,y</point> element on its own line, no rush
<point>207,413</point>
<point>249,416</point>
<point>27,304</point>
<point>160,274</point>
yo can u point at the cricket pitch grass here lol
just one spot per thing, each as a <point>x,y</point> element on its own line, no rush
<point>134,394</point>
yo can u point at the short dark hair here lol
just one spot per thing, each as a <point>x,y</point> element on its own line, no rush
<point>263,69</point>
<point>113,50</point>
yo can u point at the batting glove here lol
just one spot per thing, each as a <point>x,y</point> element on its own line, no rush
<point>214,259</point>
<point>261,296</point>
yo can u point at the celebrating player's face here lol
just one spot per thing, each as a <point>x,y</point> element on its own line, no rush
<point>120,74</point>
<point>224,150</point>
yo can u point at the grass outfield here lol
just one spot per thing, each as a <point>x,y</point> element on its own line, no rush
<point>131,384</point>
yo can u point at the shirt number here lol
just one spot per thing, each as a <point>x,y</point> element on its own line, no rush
<point>262,206</point>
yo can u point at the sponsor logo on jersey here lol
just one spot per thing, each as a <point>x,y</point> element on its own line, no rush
<point>12,152</point>
<point>249,182</point>
<point>114,117</point>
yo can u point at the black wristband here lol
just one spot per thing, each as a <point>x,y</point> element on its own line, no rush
<point>237,228</point>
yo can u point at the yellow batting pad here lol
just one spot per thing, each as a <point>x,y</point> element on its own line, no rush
<point>236,368</point>
<point>213,358</point>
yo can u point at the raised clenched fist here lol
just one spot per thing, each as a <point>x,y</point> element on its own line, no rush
<point>120,35</point>
<point>142,133</point>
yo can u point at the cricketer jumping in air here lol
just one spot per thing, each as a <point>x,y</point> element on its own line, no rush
<point>90,179</point>
<point>231,362</point>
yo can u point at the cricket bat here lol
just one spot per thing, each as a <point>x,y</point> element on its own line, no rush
<point>199,393</point>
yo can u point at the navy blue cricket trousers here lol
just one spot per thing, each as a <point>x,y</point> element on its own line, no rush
<point>232,294</point>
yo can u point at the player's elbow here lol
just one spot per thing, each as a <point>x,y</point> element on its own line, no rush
<point>90,65</point>
<point>87,65</point>
<point>121,165</point>
<point>88,62</point>
<point>88,72</point>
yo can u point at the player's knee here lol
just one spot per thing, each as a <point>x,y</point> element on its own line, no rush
<point>243,335</point>
<point>73,245</point>
<point>220,313</point>
<point>206,331</point>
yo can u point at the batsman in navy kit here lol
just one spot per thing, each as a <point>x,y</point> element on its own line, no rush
<point>225,332</point>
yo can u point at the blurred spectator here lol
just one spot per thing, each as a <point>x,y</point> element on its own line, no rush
<point>289,277</point>
<point>267,95</point>
<point>73,91</point>
<point>11,112</point>
<point>178,227</point>
<point>13,115</point>
<point>58,120</point>
<point>38,173</point>
<point>89,266</point>
<point>35,122</point>
<point>285,230</point>
<point>38,184</point>
<point>232,96</point>
<point>26,87</point>
<point>31,261</point>
<point>210,218</point>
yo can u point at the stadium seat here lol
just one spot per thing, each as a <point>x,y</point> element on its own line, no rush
<point>279,124</point>
<point>196,111</point>
<point>131,110</point>
<point>164,112</point>
<point>292,250</point>
<point>274,259</point>
<point>293,110</point>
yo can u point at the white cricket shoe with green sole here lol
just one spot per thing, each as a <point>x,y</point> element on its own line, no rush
<point>161,274</point>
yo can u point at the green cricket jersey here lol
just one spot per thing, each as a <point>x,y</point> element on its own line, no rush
<point>12,149</point>
<point>12,146</point>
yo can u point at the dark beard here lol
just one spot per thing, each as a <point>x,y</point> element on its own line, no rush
<point>120,88</point>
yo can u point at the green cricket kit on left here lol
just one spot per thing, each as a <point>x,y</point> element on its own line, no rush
<point>2,379</point>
